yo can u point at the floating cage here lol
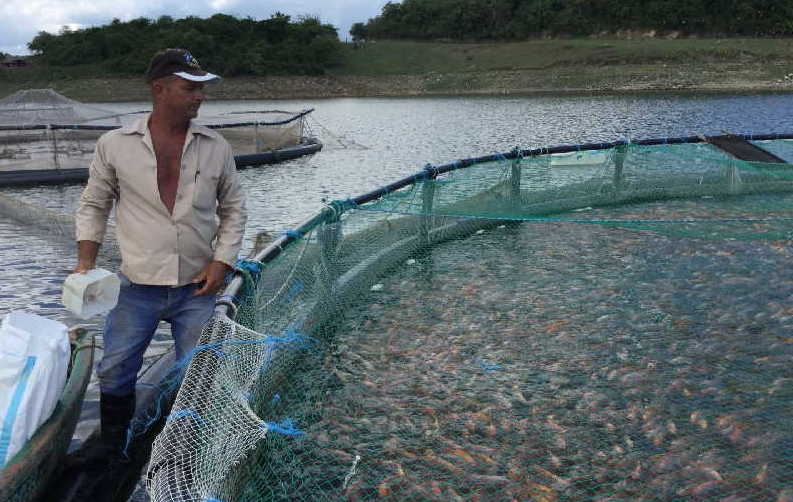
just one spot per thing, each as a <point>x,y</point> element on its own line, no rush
<point>272,130</point>
<point>594,323</point>
<point>30,136</point>
<point>43,130</point>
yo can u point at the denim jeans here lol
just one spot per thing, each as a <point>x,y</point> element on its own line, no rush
<point>130,326</point>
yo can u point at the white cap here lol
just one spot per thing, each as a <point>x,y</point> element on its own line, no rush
<point>208,77</point>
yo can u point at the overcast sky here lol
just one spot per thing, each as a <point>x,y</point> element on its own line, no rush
<point>21,20</point>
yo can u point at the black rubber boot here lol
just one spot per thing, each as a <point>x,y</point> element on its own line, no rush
<point>107,447</point>
<point>115,413</point>
<point>98,470</point>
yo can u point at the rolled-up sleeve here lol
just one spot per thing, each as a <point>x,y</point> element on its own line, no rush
<point>97,198</point>
<point>232,213</point>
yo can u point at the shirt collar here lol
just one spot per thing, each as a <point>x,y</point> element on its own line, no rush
<point>141,126</point>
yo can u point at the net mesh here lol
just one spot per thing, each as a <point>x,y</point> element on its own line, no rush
<point>55,226</point>
<point>42,147</point>
<point>42,130</point>
<point>273,130</point>
<point>45,106</point>
<point>610,325</point>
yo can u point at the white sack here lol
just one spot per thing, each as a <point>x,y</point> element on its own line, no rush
<point>34,360</point>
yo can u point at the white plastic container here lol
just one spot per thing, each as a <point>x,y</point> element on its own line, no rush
<point>92,293</point>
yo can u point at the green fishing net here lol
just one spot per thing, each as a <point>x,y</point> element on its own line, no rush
<point>591,326</point>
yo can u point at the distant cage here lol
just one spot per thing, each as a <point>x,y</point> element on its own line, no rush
<point>43,130</point>
<point>275,130</point>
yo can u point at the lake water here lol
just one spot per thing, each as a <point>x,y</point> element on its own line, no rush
<point>372,142</point>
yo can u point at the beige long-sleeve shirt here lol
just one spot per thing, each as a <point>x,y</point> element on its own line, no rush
<point>157,247</point>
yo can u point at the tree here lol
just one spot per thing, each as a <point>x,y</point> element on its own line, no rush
<point>517,19</point>
<point>359,32</point>
<point>223,43</point>
<point>42,43</point>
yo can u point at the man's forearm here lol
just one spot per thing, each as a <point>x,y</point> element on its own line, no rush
<point>86,255</point>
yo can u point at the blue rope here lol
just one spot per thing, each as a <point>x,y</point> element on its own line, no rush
<point>341,206</point>
<point>286,428</point>
<point>172,381</point>
<point>295,234</point>
<point>303,341</point>
<point>296,288</point>
<point>291,337</point>
<point>251,271</point>
<point>252,266</point>
<point>185,413</point>
<point>489,367</point>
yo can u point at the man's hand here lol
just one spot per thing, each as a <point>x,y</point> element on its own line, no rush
<point>86,256</point>
<point>212,276</point>
<point>83,267</point>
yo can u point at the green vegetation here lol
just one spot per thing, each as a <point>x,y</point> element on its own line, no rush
<point>389,57</point>
<point>228,45</point>
<point>519,19</point>
<point>411,68</point>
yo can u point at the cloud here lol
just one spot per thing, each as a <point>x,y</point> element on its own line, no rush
<point>21,20</point>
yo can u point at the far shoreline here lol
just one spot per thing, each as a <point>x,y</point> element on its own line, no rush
<point>131,89</point>
<point>556,67</point>
<point>561,93</point>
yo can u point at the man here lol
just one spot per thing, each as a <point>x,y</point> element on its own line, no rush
<point>180,213</point>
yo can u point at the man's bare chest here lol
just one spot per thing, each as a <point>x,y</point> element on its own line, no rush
<point>168,152</point>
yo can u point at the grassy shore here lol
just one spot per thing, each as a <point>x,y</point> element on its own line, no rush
<point>559,66</point>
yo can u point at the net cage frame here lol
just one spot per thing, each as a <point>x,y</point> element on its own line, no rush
<point>69,145</point>
<point>88,127</point>
<point>338,286</point>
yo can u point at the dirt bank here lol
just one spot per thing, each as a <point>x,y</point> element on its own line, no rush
<point>562,80</point>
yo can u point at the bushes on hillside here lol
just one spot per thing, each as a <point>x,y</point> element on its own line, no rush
<point>222,43</point>
<point>518,19</point>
